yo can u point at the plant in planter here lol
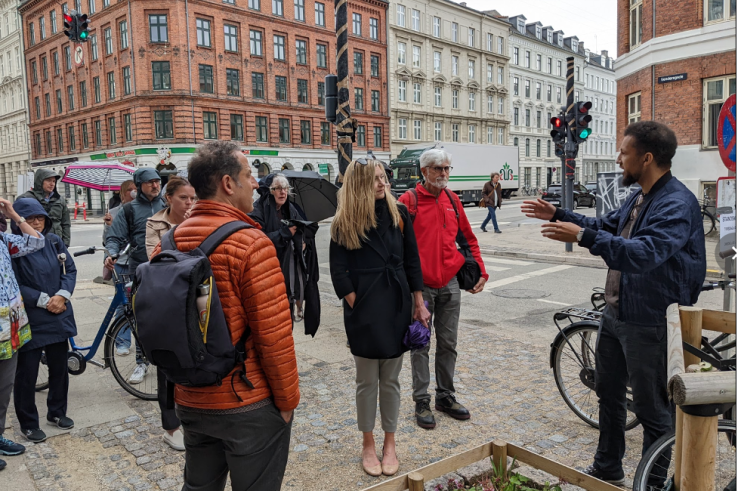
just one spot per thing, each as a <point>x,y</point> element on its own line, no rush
<point>501,481</point>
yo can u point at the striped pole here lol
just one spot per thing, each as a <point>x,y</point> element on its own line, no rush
<point>345,125</point>
<point>567,177</point>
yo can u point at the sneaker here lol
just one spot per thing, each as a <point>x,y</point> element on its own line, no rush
<point>176,441</point>
<point>138,374</point>
<point>617,478</point>
<point>498,231</point>
<point>35,436</point>
<point>9,447</point>
<point>64,423</point>
<point>424,415</point>
<point>449,406</point>
<point>484,229</point>
<point>122,351</point>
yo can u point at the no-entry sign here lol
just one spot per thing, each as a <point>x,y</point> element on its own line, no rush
<point>726,133</point>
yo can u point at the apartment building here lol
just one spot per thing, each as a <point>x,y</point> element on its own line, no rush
<point>600,150</point>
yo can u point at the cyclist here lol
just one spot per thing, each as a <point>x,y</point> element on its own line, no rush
<point>47,279</point>
<point>655,248</point>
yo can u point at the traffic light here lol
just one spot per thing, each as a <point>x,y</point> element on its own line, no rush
<point>581,121</point>
<point>558,134</point>
<point>83,31</point>
<point>70,26</point>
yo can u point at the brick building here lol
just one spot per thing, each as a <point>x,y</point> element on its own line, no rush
<point>677,65</point>
<point>254,74</point>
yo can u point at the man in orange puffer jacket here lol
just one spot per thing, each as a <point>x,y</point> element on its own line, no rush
<point>250,437</point>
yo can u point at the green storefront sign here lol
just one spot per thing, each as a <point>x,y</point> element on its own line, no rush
<point>139,151</point>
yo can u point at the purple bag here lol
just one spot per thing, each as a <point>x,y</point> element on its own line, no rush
<point>417,335</point>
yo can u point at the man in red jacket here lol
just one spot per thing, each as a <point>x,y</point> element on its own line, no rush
<point>436,227</point>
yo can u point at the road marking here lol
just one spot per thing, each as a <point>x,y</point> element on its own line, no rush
<point>525,276</point>
<point>555,303</point>
<point>514,262</point>
<point>481,222</point>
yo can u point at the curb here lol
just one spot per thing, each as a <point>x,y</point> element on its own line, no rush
<point>547,258</point>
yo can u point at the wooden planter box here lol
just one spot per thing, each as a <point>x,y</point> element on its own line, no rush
<point>499,451</point>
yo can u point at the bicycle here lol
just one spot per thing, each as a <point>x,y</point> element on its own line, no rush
<point>709,220</point>
<point>115,326</point>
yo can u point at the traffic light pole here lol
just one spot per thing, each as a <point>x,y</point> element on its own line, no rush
<point>344,122</point>
<point>570,148</point>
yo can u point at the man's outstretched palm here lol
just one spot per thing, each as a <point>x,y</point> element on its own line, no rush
<point>540,209</point>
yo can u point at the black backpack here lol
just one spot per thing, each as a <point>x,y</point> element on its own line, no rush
<point>168,324</point>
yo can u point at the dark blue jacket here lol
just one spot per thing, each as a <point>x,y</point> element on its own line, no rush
<point>42,272</point>
<point>663,262</point>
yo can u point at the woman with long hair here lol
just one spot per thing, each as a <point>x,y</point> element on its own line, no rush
<point>375,269</point>
<point>180,197</point>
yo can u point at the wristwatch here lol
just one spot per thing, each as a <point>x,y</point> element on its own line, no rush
<point>20,221</point>
<point>580,234</point>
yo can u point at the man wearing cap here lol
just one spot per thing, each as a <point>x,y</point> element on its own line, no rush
<point>44,190</point>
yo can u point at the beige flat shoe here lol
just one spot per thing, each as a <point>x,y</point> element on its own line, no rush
<point>390,470</point>
<point>374,471</point>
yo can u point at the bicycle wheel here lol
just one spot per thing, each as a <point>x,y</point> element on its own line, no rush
<point>42,380</point>
<point>122,364</point>
<point>657,464</point>
<point>574,368</point>
<point>708,223</point>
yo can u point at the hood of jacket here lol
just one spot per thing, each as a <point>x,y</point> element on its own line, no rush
<point>141,176</point>
<point>28,207</point>
<point>38,182</point>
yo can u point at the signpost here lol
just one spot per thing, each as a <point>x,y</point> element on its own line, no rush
<point>79,56</point>
<point>726,133</point>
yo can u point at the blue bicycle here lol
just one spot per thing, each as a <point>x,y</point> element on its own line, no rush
<point>122,352</point>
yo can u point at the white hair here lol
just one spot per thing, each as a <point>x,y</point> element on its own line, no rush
<point>434,156</point>
<point>280,180</point>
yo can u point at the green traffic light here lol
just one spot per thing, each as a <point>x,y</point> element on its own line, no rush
<point>83,36</point>
<point>585,133</point>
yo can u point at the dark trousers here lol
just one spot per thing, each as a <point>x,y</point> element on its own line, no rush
<point>632,354</point>
<point>253,446</point>
<point>24,392</point>
<point>169,419</point>
<point>491,215</point>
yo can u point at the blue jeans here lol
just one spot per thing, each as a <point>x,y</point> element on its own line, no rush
<point>123,340</point>
<point>491,210</point>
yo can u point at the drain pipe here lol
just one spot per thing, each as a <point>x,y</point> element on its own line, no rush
<point>653,67</point>
<point>189,69</point>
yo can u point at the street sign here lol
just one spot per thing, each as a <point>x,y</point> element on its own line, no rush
<point>726,209</point>
<point>79,56</point>
<point>672,78</point>
<point>726,133</point>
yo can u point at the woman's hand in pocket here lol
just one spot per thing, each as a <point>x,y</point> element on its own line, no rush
<point>350,299</point>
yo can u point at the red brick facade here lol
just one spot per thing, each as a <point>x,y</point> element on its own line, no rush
<point>189,105</point>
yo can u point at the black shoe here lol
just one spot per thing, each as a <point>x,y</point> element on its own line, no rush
<point>616,478</point>
<point>424,415</point>
<point>64,423</point>
<point>498,231</point>
<point>449,406</point>
<point>35,436</point>
<point>2,464</point>
<point>9,447</point>
<point>484,229</point>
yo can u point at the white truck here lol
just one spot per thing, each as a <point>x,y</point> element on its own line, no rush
<point>473,163</point>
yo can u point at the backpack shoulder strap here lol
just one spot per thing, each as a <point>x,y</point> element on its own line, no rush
<point>413,208</point>
<point>128,212</point>
<point>167,241</point>
<point>220,234</point>
<point>453,203</point>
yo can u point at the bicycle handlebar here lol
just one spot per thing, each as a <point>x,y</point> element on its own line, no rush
<point>91,250</point>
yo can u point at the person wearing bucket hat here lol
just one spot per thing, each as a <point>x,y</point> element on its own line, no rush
<point>44,190</point>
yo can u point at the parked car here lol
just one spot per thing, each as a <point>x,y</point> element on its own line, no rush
<point>582,196</point>
<point>591,187</point>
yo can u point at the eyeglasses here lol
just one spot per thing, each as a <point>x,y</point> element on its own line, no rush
<point>153,181</point>
<point>37,218</point>
<point>279,188</point>
<point>446,169</point>
<point>366,162</point>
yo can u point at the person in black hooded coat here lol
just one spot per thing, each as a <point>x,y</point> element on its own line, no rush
<point>47,279</point>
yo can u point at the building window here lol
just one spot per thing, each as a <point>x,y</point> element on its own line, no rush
<point>490,72</point>
<point>548,93</point>
<point>158,30</point>
<point>373,28</point>
<point>112,131</point>
<point>472,33</point>
<point>96,88</point>
<point>377,137</point>
<point>319,14</point>
<point>206,79</point>
<point>49,148</point>
<point>375,101</point>
<point>358,98</point>
<point>636,22</point>
<point>356,24</point>
<point>437,27</point>
<point>98,133</point>
<point>516,116</point>
<point>716,91</point>
<point>437,96</point>
<point>455,32</point>
<point>358,63</point>
<point>236,127</point>
<point>47,104</point>
<point>127,127</point>
<point>490,104</point>
<point>161,75</point>
<point>302,91</point>
<point>257,85</point>
<point>634,107</point>
<point>277,8</point>
<point>322,61</point>
<point>59,107</point>
<point>416,56</point>
<point>55,57</point>
<point>44,68</point>
<point>37,102</point>
<point>527,59</point>
<point>70,97</point>
<point>255,41</point>
<point>402,90</point>
<point>454,99</point>
<point>108,36</point>
<point>401,53</point>
<point>42,27</point>
<point>85,138</point>
<point>52,17</point>
<point>321,93</point>
<point>549,65</point>
<point>472,101</point>
<point>538,90</point>
<point>438,131</point>
<point>34,72</point>
<point>31,34</point>
<point>83,93</point>
<point>548,148</point>
<point>416,93</point>
<point>231,38</point>
<point>284,131</point>
<point>163,124</point>
<point>416,20</point>
<point>374,66</point>
<point>123,32</point>
<point>402,129</point>
<point>280,88</point>
<point>558,95</point>
<point>111,85</point>
<point>455,133</point>
<point>472,133</point>
<point>300,10</point>
<point>558,68</point>
<point>538,63</point>
<point>455,66</point>
<point>261,129</point>
<point>233,82</point>
<point>93,47</point>
<point>417,129</point>
<point>59,140</point>
<point>279,48</point>
<point>401,15</point>
<point>325,133</point>
<point>210,125</point>
<point>300,52</point>
<point>538,148</point>
<point>516,86</point>
<point>527,147</point>
<point>255,4</point>
<point>527,117</point>
<point>500,136</point>
<point>527,89</point>
<point>500,105</point>
<point>361,136</point>
<point>70,136</point>
<point>126,80</point>
<point>203,32</point>
<point>305,132</point>
<point>437,61</point>
<point>471,68</point>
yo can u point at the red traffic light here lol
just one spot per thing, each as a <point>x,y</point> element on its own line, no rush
<point>556,122</point>
<point>584,107</point>
<point>67,18</point>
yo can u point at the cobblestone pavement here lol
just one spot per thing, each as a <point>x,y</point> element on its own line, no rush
<point>507,385</point>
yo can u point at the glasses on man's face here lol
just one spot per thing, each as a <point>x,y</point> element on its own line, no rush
<point>446,169</point>
<point>34,219</point>
<point>153,182</point>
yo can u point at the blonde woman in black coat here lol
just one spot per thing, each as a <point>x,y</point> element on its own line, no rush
<point>375,269</point>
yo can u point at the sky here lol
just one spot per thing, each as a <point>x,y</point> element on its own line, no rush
<point>595,24</point>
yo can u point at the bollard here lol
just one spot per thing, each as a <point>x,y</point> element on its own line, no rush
<point>75,211</point>
<point>415,481</point>
<point>699,443</point>
<point>84,211</point>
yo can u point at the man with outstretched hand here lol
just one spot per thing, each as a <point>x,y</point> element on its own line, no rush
<point>654,246</point>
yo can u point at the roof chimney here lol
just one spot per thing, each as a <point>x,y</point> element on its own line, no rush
<point>604,53</point>
<point>463,4</point>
